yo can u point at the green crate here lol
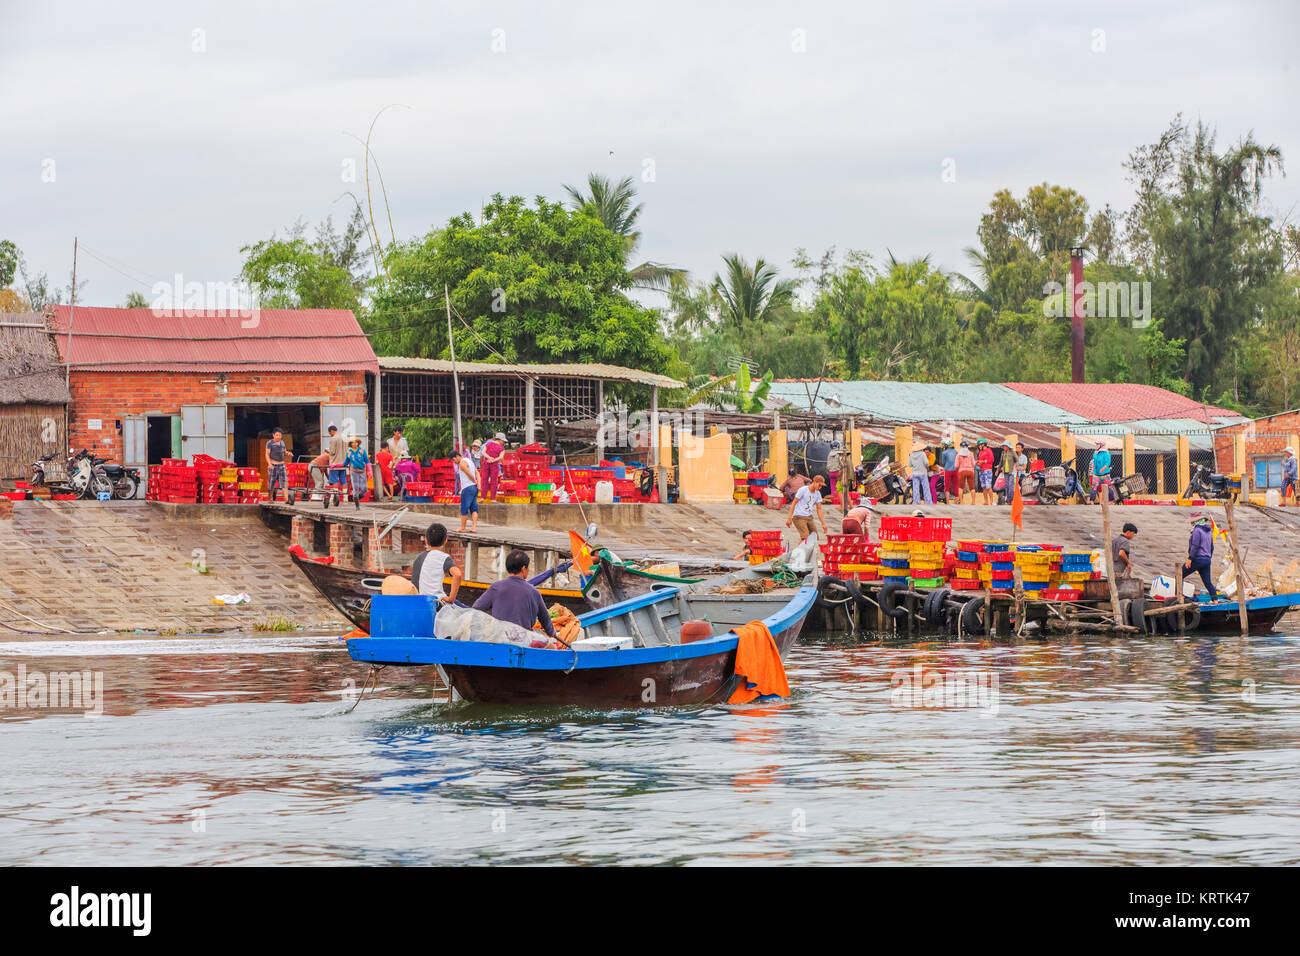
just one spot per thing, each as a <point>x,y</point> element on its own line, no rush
<point>927,582</point>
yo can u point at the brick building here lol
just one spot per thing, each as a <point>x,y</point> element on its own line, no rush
<point>1266,440</point>
<point>145,387</point>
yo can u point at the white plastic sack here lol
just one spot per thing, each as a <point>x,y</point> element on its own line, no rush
<point>453,623</point>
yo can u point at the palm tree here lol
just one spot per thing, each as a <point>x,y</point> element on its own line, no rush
<point>613,205</point>
<point>751,293</point>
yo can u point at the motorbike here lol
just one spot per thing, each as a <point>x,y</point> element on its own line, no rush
<point>1058,483</point>
<point>1207,484</point>
<point>117,481</point>
<point>63,477</point>
<point>882,483</point>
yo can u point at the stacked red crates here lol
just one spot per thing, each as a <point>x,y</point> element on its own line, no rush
<point>177,482</point>
<point>842,549</point>
<point>250,486</point>
<point>964,574</point>
<point>765,545</point>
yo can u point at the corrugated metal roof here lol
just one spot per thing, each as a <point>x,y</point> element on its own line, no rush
<point>607,373</point>
<point>1121,401</point>
<point>907,402</point>
<point>274,340</point>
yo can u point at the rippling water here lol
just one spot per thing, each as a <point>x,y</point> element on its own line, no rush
<point>239,750</point>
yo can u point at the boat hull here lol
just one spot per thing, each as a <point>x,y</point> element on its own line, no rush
<point>665,675</point>
<point>350,592</point>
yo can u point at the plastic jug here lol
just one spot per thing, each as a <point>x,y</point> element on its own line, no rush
<point>604,492</point>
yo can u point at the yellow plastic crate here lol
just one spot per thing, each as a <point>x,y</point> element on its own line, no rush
<point>895,555</point>
<point>928,565</point>
<point>1076,575</point>
<point>967,574</point>
<point>895,572</point>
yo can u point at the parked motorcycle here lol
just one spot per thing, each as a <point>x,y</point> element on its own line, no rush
<point>1207,484</point>
<point>1058,483</point>
<point>117,481</point>
<point>63,477</point>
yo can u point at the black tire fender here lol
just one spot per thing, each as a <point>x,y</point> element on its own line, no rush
<point>936,607</point>
<point>886,597</point>
<point>971,616</point>
<point>1171,619</point>
<point>829,583</point>
<point>855,592</point>
<point>1137,614</point>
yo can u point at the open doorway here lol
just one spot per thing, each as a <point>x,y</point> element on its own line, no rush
<point>254,424</point>
<point>161,438</point>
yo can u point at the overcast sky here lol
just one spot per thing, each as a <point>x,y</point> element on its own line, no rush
<point>177,132</point>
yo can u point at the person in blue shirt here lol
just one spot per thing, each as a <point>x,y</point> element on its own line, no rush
<point>1200,552</point>
<point>948,461</point>
<point>1290,474</point>
<point>1100,471</point>
<point>358,465</point>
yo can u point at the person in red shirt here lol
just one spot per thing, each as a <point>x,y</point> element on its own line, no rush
<point>985,462</point>
<point>385,462</point>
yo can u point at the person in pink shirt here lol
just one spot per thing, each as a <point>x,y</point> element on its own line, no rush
<point>493,451</point>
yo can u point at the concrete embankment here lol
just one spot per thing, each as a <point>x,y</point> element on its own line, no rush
<point>127,565</point>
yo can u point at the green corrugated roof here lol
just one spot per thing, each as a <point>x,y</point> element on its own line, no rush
<point>924,401</point>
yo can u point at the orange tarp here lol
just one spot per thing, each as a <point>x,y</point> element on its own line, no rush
<point>758,663</point>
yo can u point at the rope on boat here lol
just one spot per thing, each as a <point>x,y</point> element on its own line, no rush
<point>372,673</point>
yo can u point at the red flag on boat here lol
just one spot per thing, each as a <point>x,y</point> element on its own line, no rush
<point>1017,506</point>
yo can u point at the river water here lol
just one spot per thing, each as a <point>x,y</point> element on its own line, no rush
<point>239,750</point>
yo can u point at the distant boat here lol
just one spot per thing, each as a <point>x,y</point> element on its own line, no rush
<point>653,669</point>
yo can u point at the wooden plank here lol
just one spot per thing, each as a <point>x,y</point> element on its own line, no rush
<point>1230,509</point>
<point>1110,561</point>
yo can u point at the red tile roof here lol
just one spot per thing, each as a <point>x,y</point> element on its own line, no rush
<point>1119,401</point>
<point>275,340</point>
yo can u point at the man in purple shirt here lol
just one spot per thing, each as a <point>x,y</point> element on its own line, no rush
<point>513,599</point>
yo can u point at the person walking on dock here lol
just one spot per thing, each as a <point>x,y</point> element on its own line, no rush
<point>791,485</point>
<point>985,462</point>
<point>276,476</point>
<point>494,451</point>
<point>467,487</point>
<point>964,470</point>
<point>949,462</point>
<point>514,599</point>
<point>1121,551</point>
<point>1290,475</point>
<point>397,446</point>
<point>358,463</point>
<point>434,566</point>
<point>1200,552</point>
<point>1007,468</point>
<point>1100,471</point>
<point>338,451</point>
<point>919,462</point>
<point>801,512</point>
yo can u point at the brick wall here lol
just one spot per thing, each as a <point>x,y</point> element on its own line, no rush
<point>1265,438</point>
<point>109,396</point>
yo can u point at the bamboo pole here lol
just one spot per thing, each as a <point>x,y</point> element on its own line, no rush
<point>1182,619</point>
<point>1110,559</point>
<point>1230,509</point>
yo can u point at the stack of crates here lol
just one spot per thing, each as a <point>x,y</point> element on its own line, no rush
<point>418,491</point>
<point>966,568</point>
<point>758,482</point>
<point>250,486</point>
<point>208,471</point>
<point>764,546</point>
<point>997,566</point>
<point>296,473</point>
<point>894,553</point>
<point>541,492</point>
<point>1038,566</point>
<point>852,557</point>
<point>1077,567</point>
<point>740,487</point>
<point>177,482</point>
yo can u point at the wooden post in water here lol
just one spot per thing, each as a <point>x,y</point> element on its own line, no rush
<point>1110,560</point>
<point>1229,507</point>
<point>1182,618</point>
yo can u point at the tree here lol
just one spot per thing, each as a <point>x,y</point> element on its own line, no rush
<point>8,262</point>
<point>751,294</point>
<point>537,283</point>
<point>1211,252</point>
<point>327,272</point>
<point>134,300</point>
<point>613,205</point>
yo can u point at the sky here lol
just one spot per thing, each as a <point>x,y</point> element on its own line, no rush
<point>164,136</point>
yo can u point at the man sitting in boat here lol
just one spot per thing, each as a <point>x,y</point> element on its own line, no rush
<point>434,565</point>
<point>513,599</point>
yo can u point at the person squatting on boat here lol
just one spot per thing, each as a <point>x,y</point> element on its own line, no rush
<point>514,599</point>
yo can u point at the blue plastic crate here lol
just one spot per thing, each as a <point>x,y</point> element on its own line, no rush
<point>1002,585</point>
<point>968,556</point>
<point>895,563</point>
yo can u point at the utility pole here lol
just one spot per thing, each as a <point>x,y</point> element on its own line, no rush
<point>457,437</point>
<point>72,310</point>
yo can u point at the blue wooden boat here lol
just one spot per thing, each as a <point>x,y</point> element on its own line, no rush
<point>655,670</point>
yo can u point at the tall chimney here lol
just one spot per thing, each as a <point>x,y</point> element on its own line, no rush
<point>1076,315</point>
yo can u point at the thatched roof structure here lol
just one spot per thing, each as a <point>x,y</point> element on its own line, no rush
<point>30,370</point>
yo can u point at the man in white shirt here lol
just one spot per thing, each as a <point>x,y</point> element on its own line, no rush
<point>434,565</point>
<point>467,487</point>
<point>801,512</point>
<point>397,446</point>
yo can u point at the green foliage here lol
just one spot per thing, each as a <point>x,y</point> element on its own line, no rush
<point>134,300</point>
<point>537,283</point>
<point>613,205</point>
<point>8,262</point>
<point>327,272</point>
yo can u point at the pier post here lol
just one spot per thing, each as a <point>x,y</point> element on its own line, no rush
<point>1229,507</point>
<point>1184,464</point>
<point>341,545</point>
<point>1182,618</point>
<point>374,551</point>
<point>301,532</point>
<point>1110,562</point>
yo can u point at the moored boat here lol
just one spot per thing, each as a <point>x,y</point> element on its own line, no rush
<point>351,591</point>
<point>653,667</point>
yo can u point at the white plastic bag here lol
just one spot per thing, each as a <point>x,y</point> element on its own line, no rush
<point>453,623</point>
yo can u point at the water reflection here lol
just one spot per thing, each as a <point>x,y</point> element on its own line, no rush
<point>1157,750</point>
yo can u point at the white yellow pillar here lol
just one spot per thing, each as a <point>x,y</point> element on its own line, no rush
<point>1184,450</point>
